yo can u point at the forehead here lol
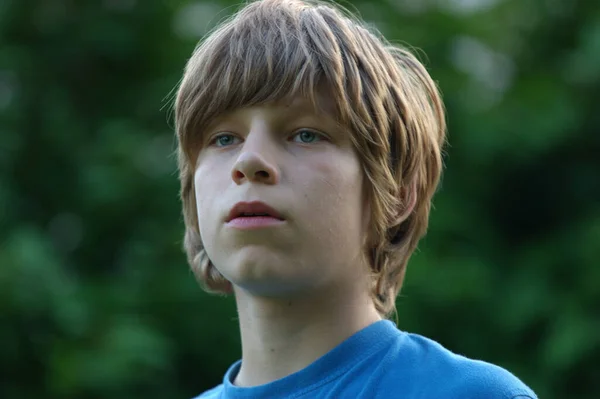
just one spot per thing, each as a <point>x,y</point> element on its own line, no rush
<point>319,105</point>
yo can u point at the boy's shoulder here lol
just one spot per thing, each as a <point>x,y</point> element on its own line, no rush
<point>431,371</point>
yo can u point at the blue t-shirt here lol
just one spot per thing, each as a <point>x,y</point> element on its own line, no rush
<point>381,361</point>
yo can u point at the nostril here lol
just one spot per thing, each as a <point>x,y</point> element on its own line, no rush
<point>251,167</point>
<point>238,175</point>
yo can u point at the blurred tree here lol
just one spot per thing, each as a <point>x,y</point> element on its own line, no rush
<point>96,299</point>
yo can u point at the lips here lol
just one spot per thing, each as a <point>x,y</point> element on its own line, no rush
<point>252,209</point>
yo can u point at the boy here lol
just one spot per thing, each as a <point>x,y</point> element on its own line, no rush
<point>309,151</point>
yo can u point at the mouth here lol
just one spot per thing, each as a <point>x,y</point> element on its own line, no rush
<point>255,209</point>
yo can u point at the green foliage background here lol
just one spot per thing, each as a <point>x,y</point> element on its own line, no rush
<point>96,299</point>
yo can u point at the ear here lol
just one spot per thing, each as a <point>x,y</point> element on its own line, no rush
<point>408,195</point>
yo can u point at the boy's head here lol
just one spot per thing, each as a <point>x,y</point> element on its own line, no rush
<point>358,193</point>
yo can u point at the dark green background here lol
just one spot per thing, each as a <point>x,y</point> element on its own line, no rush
<point>96,299</point>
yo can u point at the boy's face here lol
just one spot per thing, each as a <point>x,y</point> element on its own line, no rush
<point>304,167</point>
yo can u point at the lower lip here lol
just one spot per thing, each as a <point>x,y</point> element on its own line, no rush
<point>254,222</point>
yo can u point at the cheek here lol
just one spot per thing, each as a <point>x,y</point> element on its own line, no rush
<point>200,210</point>
<point>343,178</point>
<point>341,192</point>
<point>205,190</point>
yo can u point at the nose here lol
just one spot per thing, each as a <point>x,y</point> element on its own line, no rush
<point>253,165</point>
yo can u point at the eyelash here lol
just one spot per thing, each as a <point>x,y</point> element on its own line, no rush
<point>214,140</point>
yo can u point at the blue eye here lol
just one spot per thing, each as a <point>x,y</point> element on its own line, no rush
<point>307,136</point>
<point>224,140</point>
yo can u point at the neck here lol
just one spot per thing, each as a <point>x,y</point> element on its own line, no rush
<point>284,335</point>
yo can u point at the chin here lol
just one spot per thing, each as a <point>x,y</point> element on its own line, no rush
<point>265,276</point>
<point>250,264</point>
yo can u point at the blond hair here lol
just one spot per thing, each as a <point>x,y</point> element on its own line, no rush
<point>274,49</point>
